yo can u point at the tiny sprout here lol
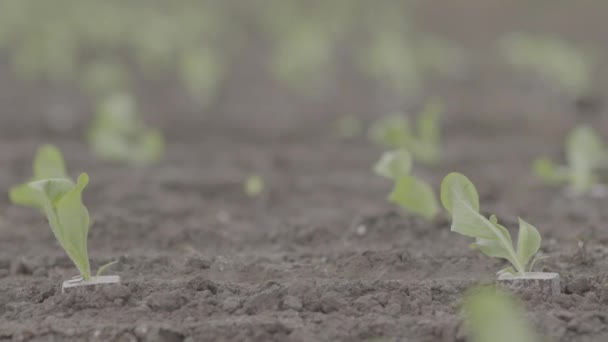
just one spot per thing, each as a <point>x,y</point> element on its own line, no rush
<point>460,199</point>
<point>254,185</point>
<point>48,163</point>
<point>410,193</point>
<point>61,201</point>
<point>584,155</point>
<point>118,134</point>
<point>493,316</point>
<point>395,131</point>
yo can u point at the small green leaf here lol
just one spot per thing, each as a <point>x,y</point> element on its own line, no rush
<point>528,242</point>
<point>415,196</point>
<point>103,268</point>
<point>493,316</point>
<point>48,164</point>
<point>456,184</point>
<point>394,164</point>
<point>391,132</point>
<point>254,185</point>
<point>584,153</point>
<point>550,173</point>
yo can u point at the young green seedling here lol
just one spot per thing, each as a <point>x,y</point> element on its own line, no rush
<point>61,201</point>
<point>584,155</point>
<point>254,185</point>
<point>48,163</point>
<point>409,192</point>
<point>459,197</point>
<point>493,316</point>
<point>395,131</point>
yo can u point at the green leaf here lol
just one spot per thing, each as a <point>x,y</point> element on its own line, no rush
<point>584,153</point>
<point>48,164</point>
<point>391,132</point>
<point>254,185</point>
<point>394,164</point>
<point>427,147</point>
<point>460,198</point>
<point>550,173</point>
<point>415,196</point>
<point>456,184</point>
<point>68,217</point>
<point>494,316</point>
<point>528,242</point>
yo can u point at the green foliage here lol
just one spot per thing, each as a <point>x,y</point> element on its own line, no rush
<point>117,133</point>
<point>459,197</point>
<point>409,192</point>
<point>48,163</point>
<point>395,131</point>
<point>254,185</point>
<point>551,58</point>
<point>584,155</point>
<point>493,316</point>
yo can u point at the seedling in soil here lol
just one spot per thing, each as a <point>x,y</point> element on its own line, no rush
<point>493,316</point>
<point>48,164</point>
<point>409,192</point>
<point>584,155</point>
<point>460,199</point>
<point>254,185</point>
<point>118,134</point>
<point>395,131</point>
<point>61,201</point>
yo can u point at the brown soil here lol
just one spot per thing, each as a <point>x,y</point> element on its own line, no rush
<point>200,261</point>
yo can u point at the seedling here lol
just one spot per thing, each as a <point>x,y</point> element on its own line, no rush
<point>493,316</point>
<point>459,197</point>
<point>254,185</point>
<point>118,134</point>
<point>552,59</point>
<point>409,192</point>
<point>584,155</point>
<point>61,201</point>
<point>395,131</point>
<point>48,164</point>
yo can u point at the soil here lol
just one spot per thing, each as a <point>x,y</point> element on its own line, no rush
<point>321,256</point>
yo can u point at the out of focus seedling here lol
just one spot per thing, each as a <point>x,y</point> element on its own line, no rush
<point>61,201</point>
<point>409,192</point>
<point>493,316</point>
<point>48,163</point>
<point>584,156</point>
<point>551,59</point>
<point>460,199</point>
<point>424,142</point>
<point>254,186</point>
<point>118,134</point>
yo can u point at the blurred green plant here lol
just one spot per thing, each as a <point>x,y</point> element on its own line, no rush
<point>395,131</point>
<point>551,58</point>
<point>409,192</point>
<point>254,185</point>
<point>493,316</point>
<point>348,127</point>
<point>48,164</point>
<point>118,134</point>
<point>585,154</point>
